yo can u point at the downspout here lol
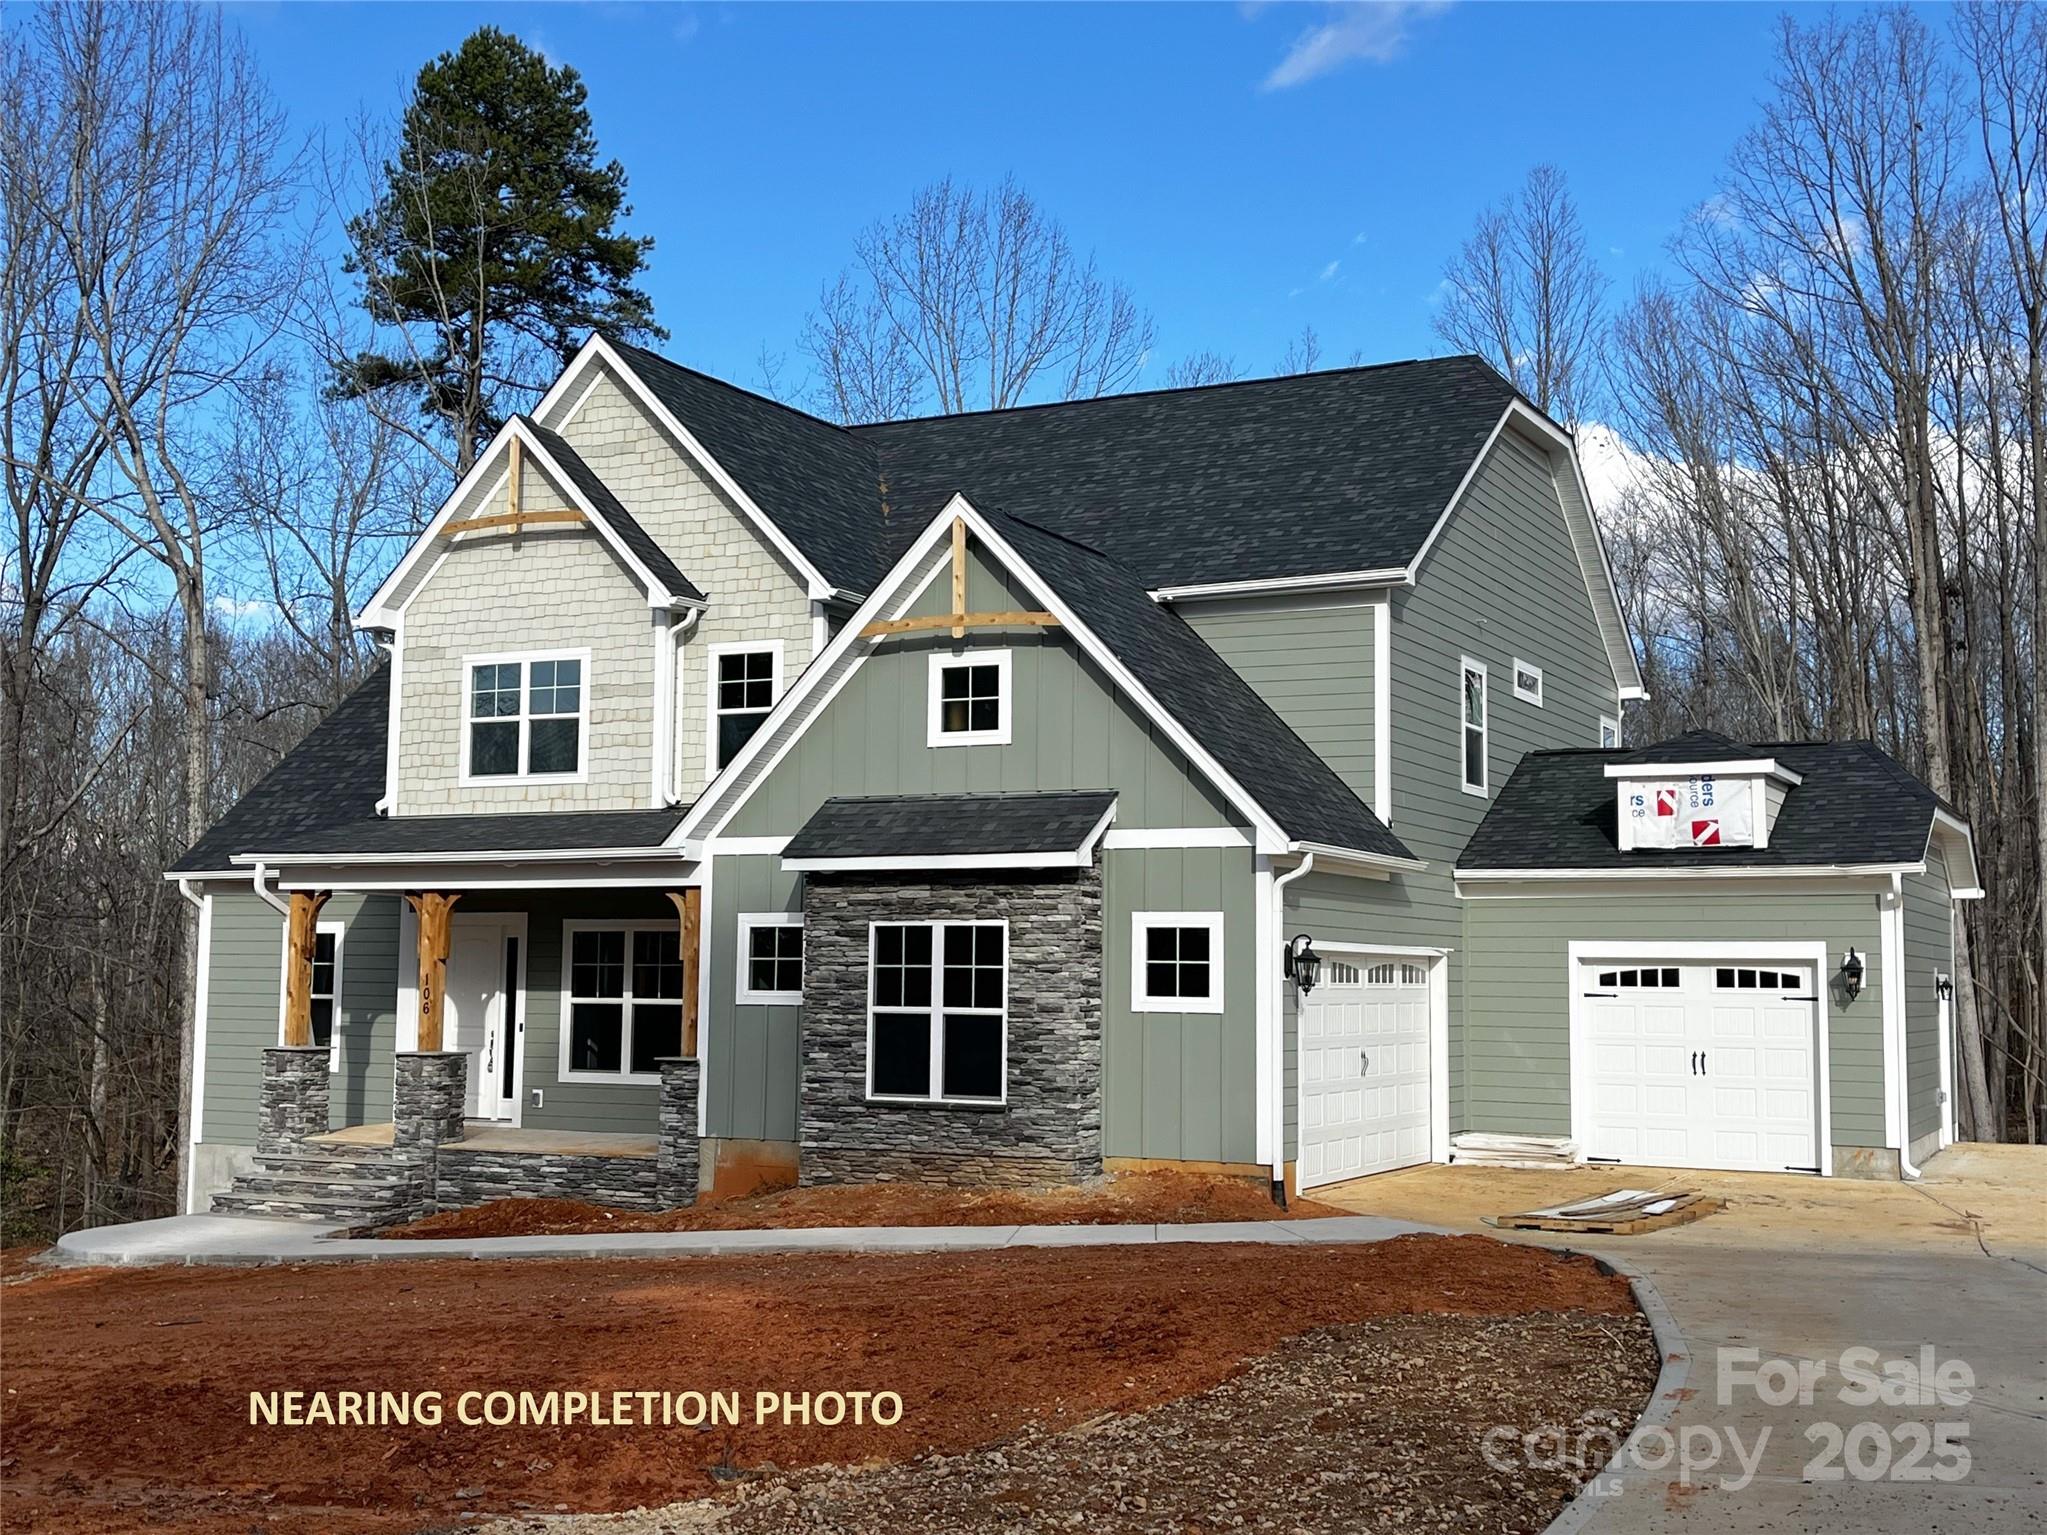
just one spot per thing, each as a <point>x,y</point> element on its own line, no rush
<point>260,878</point>
<point>1279,1030</point>
<point>1895,998</point>
<point>677,634</point>
<point>389,798</point>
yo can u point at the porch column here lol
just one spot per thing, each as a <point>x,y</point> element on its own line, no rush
<point>302,932</point>
<point>433,910</point>
<point>689,908</point>
<point>678,1151</point>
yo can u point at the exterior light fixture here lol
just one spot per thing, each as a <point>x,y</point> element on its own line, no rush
<point>1303,964</point>
<point>1851,975</point>
<point>1944,987</point>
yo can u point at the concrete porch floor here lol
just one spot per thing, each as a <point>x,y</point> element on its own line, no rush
<point>486,1135</point>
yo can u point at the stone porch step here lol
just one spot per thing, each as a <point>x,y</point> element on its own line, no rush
<point>313,1208</point>
<point>328,1185</point>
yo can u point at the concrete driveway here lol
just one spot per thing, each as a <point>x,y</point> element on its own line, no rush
<point>1947,1275</point>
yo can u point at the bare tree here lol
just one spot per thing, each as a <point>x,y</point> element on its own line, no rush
<point>970,300</point>
<point>1524,293</point>
<point>1203,368</point>
<point>1303,354</point>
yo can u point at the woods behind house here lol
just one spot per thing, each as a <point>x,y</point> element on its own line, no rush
<point>239,370</point>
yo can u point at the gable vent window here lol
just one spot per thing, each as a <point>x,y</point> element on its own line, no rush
<point>1472,705</point>
<point>745,682</point>
<point>1528,683</point>
<point>527,716</point>
<point>970,699</point>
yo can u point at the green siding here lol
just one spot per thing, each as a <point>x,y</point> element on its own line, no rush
<point>1929,951</point>
<point>245,977</point>
<point>1517,994</point>
<point>752,1067</point>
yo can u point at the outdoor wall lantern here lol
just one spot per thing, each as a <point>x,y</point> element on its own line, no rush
<point>1851,975</point>
<point>1303,964</point>
<point>1944,987</point>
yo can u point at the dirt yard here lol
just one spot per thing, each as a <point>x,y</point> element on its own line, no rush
<point>126,1402</point>
<point>1149,1198</point>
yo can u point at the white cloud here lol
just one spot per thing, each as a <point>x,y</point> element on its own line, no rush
<point>685,30</point>
<point>235,609</point>
<point>1358,238</point>
<point>1373,30</point>
<point>1329,271</point>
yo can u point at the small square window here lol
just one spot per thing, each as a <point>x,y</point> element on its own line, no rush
<point>1176,962</point>
<point>770,958</point>
<point>970,699</point>
<point>1528,682</point>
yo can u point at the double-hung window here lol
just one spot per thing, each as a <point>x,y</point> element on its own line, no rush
<point>770,958</point>
<point>1472,724</point>
<point>324,994</point>
<point>746,679</point>
<point>970,699</point>
<point>1176,962</point>
<point>623,1001</point>
<point>527,716</point>
<point>937,1014</point>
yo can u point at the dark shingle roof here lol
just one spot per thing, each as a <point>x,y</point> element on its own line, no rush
<point>1692,746</point>
<point>1305,475</point>
<point>322,798</point>
<point>1855,806</point>
<point>942,825</point>
<point>609,507</point>
<point>1205,694</point>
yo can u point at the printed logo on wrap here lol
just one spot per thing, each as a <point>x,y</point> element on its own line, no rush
<point>1693,812</point>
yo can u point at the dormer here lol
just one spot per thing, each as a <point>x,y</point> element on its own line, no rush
<point>1699,790</point>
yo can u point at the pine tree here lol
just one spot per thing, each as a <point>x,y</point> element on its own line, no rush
<point>494,246</point>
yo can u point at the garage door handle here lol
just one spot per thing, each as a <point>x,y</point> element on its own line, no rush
<point>1364,1063</point>
<point>1695,1063</point>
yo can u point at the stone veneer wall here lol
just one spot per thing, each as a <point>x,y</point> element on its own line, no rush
<point>295,1095</point>
<point>680,1150</point>
<point>1050,1128</point>
<point>471,1177</point>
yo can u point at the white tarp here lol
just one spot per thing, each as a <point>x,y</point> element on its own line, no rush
<point>1691,812</point>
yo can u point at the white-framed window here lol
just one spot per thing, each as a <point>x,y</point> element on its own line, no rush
<point>745,682</point>
<point>527,716</point>
<point>1651,977</point>
<point>621,1000</point>
<point>770,957</point>
<point>1176,962</point>
<point>937,1011</point>
<point>970,699</point>
<point>1609,732</point>
<point>328,938</point>
<point>1527,682</point>
<point>1471,720</point>
<point>1396,973</point>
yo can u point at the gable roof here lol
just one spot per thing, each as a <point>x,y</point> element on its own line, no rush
<point>921,826</point>
<point>1692,746</point>
<point>1855,807</point>
<point>612,510</point>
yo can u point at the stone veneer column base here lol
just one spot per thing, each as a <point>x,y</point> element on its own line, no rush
<point>426,1107</point>
<point>680,1149</point>
<point>294,1097</point>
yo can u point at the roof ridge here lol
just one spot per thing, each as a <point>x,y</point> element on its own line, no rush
<point>738,389</point>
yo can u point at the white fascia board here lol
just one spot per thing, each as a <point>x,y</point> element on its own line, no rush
<point>1382,864</point>
<point>1741,871</point>
<point>1141,837</point>
<point>1275,586</point>
<point>539,855</point>
<point>911,863</point>
<point>1767,767</point>
<point>597,350</point>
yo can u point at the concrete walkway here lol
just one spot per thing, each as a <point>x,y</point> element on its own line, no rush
<point>1799,1271</point>
<point>235,1239</point>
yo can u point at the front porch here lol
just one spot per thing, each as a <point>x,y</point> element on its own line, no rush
<point>488,1136</point>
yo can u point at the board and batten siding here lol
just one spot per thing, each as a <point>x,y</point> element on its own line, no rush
<point>753,1066</point>
<point>1517,1033</point>
<point>1929,954</point>
<point>245,988</point>
<point>755,596</point>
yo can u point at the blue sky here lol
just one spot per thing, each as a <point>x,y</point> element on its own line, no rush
<point>1245,169</point>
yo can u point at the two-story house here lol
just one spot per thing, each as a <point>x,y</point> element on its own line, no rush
<point>1228,777</point>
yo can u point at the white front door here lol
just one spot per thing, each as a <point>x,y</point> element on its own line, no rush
<point>1705,1064</point>
<point>1363,1047</point>
<point>485,1018</point>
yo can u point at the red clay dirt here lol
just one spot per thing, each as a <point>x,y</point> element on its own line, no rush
<point>1147,1198</point>
<point>127,1392</point>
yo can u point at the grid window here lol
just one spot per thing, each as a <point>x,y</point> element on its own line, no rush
<point>624,1000</point>
<point>325,998</point>
<point>1176,962</point>
<point>970,699</point>
<point>526,718</point>
<point>743,693</point>
<point>938,1011</point>
<point>770,959</point>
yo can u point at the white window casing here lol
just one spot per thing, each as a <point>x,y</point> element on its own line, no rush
<point>641,998</point>
<point>1474,745</point>
<point>968,675</point>
<point>739,697</point>
<point>515,673</point>
<point>1527,682</point>
<point>1609,732</point>
<point>336,933</point>
<point>1190,977</point>
<point>909,967</point>
<point>767,959</point>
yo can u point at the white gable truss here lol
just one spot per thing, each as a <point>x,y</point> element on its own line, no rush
<point>492,468</point>
<point>891,598</point>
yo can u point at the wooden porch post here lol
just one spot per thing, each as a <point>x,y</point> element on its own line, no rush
<point>433,910</point>
<point>302,932</point>
<point>689,907</point>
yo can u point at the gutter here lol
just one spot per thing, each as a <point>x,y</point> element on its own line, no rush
<point>259,878</point>
<point>1279,1031</point>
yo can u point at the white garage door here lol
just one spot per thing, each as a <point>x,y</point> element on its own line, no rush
<point>1704,1064</point>
<point>1363,1049</point>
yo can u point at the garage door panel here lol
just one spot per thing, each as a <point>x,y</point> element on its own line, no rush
<point>1365,1096</point>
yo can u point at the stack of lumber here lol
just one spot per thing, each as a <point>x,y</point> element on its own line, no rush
<point>1536,1151</point>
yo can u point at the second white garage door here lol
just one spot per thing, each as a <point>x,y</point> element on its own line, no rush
<point>1705,1064</point>
<point>1364,1070</point>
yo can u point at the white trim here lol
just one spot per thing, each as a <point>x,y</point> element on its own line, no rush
<point>1270,586</point>
<point>1788,871</point>
<point>1272,1060</point>
<point>1944,1011</point>
<point>625,1076</point>
<point>937,1011</point>
<point>1516,666</point>
<point>407,1033</point>
<point>1382,709</point>
<point>1890,958</point>
<point>1371,865</point>
<point>340,931</point>
<point>511,876</point>
<point>712,713</point>
<point>1746,768</point>
<point>1483,788</point>
<point>1141,1000</point>
<point>1268,1041</point>
<point>1958,832</point>
<point>1580,952</point>
<point>598,350</point>
<point>664,701</point>
<point>705,1013</point>
<point>464,855</point>
<point>1058,858</point>
<point>1612,721</point>
<point>525,660</point>
<point>943,661</point>
<point>395,683</point>
<point>743,993</point>
<point>1176,836</point>
<point>1401,950</point>
<point>202,986</point>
